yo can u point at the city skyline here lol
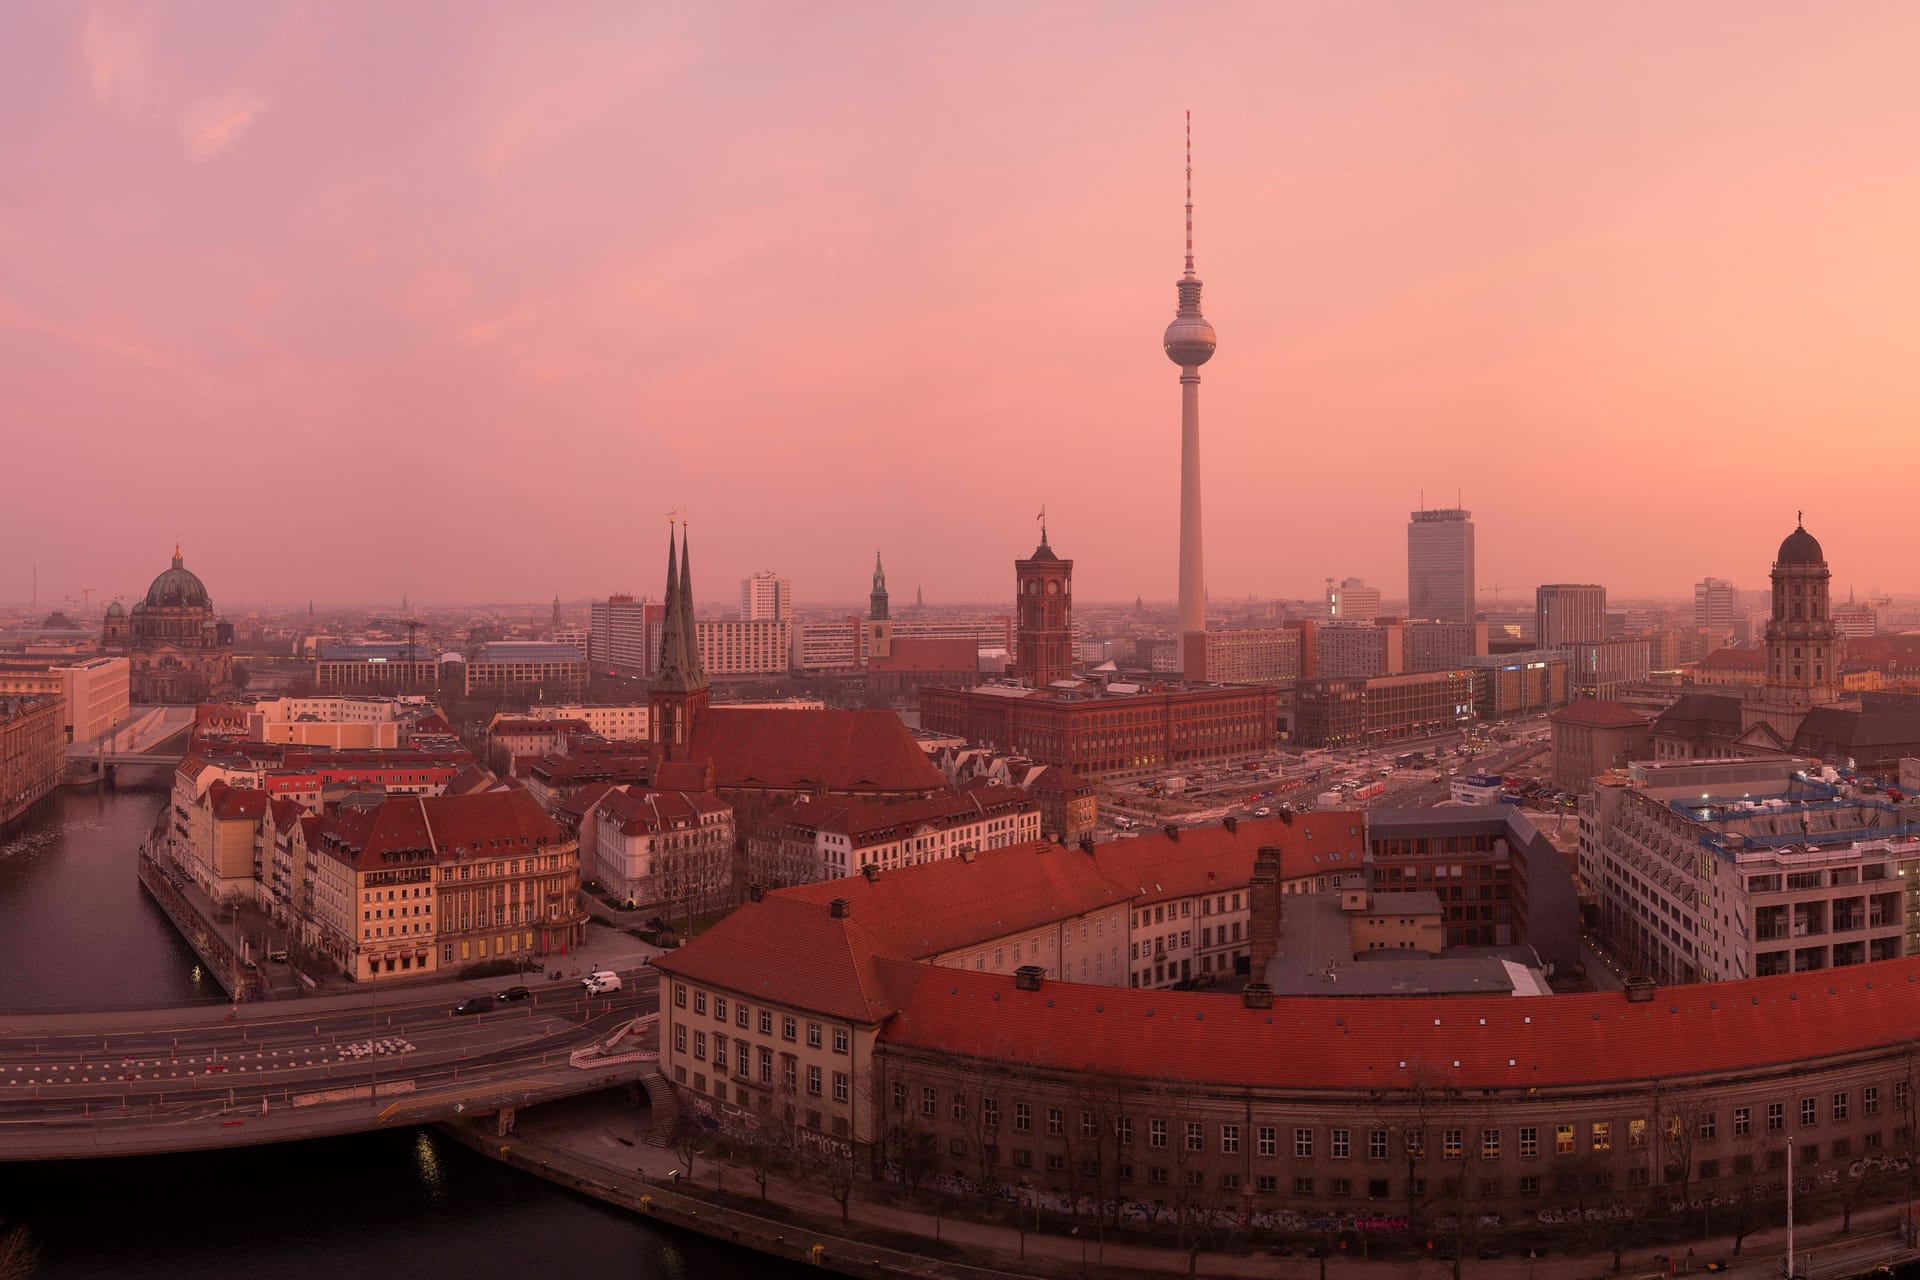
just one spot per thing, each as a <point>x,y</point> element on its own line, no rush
<point>239,245</point>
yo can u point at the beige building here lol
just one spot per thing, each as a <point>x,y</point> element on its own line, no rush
<point>670,849</point>
<point>625,722</point>
<point>1591,737</point>
<point>539,667</point>
<point>1253,656</point>
<point>30,752</point>
<point>1714,870</point>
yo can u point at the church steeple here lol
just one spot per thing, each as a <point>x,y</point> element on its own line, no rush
<point>678,692</point>
<point>877,598</point>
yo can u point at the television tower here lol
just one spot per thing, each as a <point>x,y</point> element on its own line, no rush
<point>1189,343</point>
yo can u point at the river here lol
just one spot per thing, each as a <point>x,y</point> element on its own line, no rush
<point>77,932</point>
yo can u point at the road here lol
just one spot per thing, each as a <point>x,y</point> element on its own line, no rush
<point>161,1079</point>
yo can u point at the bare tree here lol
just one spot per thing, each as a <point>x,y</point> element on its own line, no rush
<point>1410,1116</point>
<point>1469,1142</point>
<point>19,1255</point>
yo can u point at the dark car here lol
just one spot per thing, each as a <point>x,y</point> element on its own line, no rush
<point>475,1004</point>
<point>514,993</point>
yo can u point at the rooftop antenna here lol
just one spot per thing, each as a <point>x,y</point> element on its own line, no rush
<point>1189,195</point>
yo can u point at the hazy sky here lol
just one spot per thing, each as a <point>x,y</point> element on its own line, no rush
<point>458,299</point>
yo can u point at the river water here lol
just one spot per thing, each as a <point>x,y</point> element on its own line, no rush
<point>77,932</point>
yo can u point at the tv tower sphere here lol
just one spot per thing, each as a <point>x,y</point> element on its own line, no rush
<point>1189,340</point>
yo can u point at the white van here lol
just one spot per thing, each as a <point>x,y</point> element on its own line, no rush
<point>601,982</point>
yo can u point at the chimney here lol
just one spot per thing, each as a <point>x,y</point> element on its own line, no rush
<point>753,892</point>
<point>1263,907</point>
<point>871,871</point>
<point>839,909</point>
<point>1027,977</point>
<point>1640,990</point>
<point>1230,822</point>
<point>1173,831</point>
<point>1258,995</point>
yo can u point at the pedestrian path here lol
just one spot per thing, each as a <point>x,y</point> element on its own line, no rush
<point>610,1138</point>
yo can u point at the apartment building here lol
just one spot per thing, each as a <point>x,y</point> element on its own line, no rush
<point>1715,870</point>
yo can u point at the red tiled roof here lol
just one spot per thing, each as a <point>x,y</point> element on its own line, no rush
<point>937,906</point>
<point>791,951</point>
<point>286,813</point>
<point>446,828</point>
<point>237,802</point>
<point>1056,779</point>
<point>650,812</point>
<point>683,775</point>
<point>868,821</point>
<point>537,728</point>
<point>827,750</point>
<point>927,654</point>
<point>1157,867</point>
<point>584,799</point>
<point>1599,713</point>
<point>1469,1042</point>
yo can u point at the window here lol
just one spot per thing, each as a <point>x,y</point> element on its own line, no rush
<point>1376,1188</point>
<point>1265,1140</point>
<point>719,1052</point>
<point>1340,1143</point>
<point>679,994</point>
<point>1900,1095</point>
<point>1157,1175</point>
<point>899,1095</point>
<point>1809,1112</point>
<point>813,1035</point>
<point>1489,1144</point>
<point>1156,1133</point>
<point>1089,1127</point>
<point>929,1101</point>
<point>1709,1127</point>
<point>789,1029</point>
<point>959,1109</point>
<point>740,1051</point>
<point>813,1081</point>
<point>1839,1106</point>
<point>1602,1135</point>
<point>1340,1187</point>
<point>719,1008</point>
<point>1377,1145</point>
<point>1529,1142</point>
<point>1776,1116</point>
<point>1563,1139</point>
<point>1056,1122</point>
<point>1303,1144</point>
<point>1196,1136</point>
<point>1530,1186</point>
<point>679,1038</point>
<point>700,1002</point>
<point>1742,1121</point>
<point>766,1023</point>
<point>1303,1186</point>
<point>1022,1159</point>
<point>700,1045</point>
<point>788,1068</point>
<point>1022,1118</point>
<point>990,1112</point>
<point>1266,1184</point>
<point>1870,1100</point>
<point>1450,1144</point>
<point>840,1086</point>
<point>839,1039</point>
<point>1229,1139</point>
<point>740,1016</point>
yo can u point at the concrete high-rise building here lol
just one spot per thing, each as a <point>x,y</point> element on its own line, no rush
<point>1569,613</point>
<point>1043,638</point>
<point>1352,601</point>
<point>1440,565</point>
<point>766,597</point>
<point>1189,343</point>
<point>1716,604</point>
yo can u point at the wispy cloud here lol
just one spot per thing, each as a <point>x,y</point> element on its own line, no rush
<point>212,125</point>
<point>114,48</point>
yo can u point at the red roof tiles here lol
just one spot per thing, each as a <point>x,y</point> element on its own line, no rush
<point>811,750</point>
<point>1599,713</point>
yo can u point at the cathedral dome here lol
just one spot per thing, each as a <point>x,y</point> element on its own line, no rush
<point>114,610</point>
<point>1800,547</point>
<point>178,588</point>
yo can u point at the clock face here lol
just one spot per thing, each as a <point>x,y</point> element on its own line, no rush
<point>1053,588</point>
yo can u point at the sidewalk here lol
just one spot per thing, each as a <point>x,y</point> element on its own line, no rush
<point>609,1139</point>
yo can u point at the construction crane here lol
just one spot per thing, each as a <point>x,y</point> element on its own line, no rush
<point>413,652</point>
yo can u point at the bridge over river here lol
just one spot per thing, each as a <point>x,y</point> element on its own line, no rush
<point>146,1081</point>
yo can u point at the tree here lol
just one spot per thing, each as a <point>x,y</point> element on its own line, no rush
<point>1410,1116</point>
<point>689,1143</point>
<point>1468,1141</point>
<point>19,1255</point>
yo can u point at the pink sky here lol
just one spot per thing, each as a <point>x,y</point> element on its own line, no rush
<point>459,299</point>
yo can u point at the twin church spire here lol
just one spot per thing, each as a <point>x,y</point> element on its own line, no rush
<point>678,692</point>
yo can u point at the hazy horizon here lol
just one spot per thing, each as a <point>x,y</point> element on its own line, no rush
<point>458,302</point>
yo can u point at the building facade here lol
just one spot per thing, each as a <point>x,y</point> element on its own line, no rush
<point>1360,712</point>
<point>32,734</point>
<point>1567,613</point>
<point>178,651</point>
<point>1591,737</point>
<point>766,597</point>
<point>670,849</point>
<point>1269,655</point>
<point>1352,601</point>
<point>1043,638</point>
<point>1440,582</point>
<point>540,668</point>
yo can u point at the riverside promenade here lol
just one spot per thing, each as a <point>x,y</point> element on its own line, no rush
<point>599,1148</point>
